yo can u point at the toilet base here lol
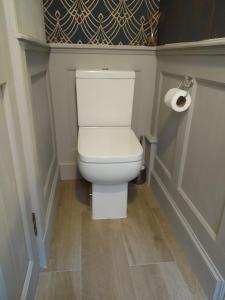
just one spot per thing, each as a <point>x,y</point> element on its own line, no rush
<point>109,201</point>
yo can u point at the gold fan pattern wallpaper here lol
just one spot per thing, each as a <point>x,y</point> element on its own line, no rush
<point>110,22</point>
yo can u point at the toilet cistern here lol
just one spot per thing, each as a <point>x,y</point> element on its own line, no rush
<point>109,153</point>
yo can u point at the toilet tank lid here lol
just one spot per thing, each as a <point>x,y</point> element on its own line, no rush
<point>104,74</point>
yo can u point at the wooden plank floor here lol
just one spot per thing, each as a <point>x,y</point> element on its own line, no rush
<point>135,258</point>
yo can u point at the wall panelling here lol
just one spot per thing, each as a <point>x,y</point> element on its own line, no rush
<point>37,60</point>
<point>189,169</point>
<point>18,254</point>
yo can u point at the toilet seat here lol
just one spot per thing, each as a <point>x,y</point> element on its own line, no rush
<point>108,145</point>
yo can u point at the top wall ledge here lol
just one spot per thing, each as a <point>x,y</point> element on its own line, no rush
<point>207,47</point>
<point>32,43</point>
<point>95,48</point>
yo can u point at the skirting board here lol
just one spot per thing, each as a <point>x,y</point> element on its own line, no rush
<point>50,216</point>
<point>30,283</point>
<point>69,171</point>
<point>3,292</point>
<point>210,278</point>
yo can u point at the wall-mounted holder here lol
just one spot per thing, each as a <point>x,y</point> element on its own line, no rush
<point>186,84</point>
<point>149,144</point>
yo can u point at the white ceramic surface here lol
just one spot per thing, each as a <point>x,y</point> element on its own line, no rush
<point>105,101</point>
<point>108,145</point>
<point>109,202</point>
<point>105,74</point>
<point>109,173</point>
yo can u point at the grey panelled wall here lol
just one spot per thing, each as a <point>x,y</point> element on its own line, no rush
<point>18,255</point>
<point>21,159</point>
<point>43,128</point>
<point>25,26</point>
<point>189,168</point>
<point>64,62</point>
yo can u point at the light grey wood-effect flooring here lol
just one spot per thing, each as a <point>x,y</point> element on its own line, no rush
<point>134,258</point>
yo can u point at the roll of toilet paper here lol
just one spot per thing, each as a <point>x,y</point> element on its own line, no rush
<point>177,99</point>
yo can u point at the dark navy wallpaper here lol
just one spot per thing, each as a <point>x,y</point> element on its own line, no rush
<point>112,22</point>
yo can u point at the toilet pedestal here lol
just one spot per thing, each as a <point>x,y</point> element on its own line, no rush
<point>109,201</point>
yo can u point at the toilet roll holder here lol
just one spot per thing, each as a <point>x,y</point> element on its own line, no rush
<point>186,84</point>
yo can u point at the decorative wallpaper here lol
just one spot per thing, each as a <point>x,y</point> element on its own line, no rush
<point>111,22</point>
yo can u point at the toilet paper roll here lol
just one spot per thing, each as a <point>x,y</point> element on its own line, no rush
<point>177,99</point>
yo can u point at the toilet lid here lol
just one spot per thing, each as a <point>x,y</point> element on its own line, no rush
<point>108,145</point>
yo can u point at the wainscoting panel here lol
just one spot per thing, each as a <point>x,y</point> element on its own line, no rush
<point>168,125</point>
<point>189,169</point>
<point>44,139</point>
<point>42,124</point>
<point>207,147</point>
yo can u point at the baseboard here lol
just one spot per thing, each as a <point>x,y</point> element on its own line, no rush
<point>209,276</point>
<point>3,290</point>
<point>50,215</point>
<point>69,171</point>
<point>50,174</point>
<point>30,282</point>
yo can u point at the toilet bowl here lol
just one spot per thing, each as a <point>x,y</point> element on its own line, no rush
<point>109,153</point>
<point>108,158</point>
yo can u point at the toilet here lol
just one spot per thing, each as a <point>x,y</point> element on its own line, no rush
<point>109,153</point>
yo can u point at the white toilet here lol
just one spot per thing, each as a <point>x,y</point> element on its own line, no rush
<point>109,153</point>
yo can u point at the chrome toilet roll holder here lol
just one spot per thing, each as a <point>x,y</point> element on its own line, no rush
<point>186,84</point>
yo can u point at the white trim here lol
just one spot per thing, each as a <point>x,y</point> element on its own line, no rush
<point>102,49</point>
<point>30,39</point>
<point>100,46</point>
<point>3,290</point>
<point>151,139</point>
<point>27,281</point>
<point>197,44</point>
<point>50,215</point>
<point>163,166</point>
<point>63,47</point>
<point>49,175</point>
<point>153,150</point>
<point>197,214</point>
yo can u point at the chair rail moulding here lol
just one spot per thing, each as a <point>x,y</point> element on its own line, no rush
<point>30,40</point>
<point>204,47</point>
<point>120,49</point>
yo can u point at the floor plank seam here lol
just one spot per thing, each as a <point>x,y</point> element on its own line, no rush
<point>152,263</point>
<point>61,271</point>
